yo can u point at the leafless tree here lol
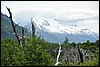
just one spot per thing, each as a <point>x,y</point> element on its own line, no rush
<point>18,36</point>
<point>33,28</point>
<point>57,62</point>
<point>23,39</point>
<point>80,54</point>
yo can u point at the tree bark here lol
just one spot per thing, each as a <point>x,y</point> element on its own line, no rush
<point>14,29</point>
<point>80,54</point>
<point>33,29</point>
<point>23,40</point>
<point>57,62</point>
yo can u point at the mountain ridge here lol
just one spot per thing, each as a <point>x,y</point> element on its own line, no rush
<point>52,26</point>
<point>6,28</point>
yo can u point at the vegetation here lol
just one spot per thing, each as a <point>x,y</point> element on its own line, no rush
<point>66,40</point>
<point>7,30</point>
<point>37,52</point>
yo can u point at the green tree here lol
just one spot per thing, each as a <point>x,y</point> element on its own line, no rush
<point>66,40</point>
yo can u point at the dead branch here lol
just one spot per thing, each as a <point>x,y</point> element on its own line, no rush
<point>57,62</point>
<point>80,54</point>
<point>14,29</point>
<point>23,41</point>
<point>33,28</point>
<point>17,24</point>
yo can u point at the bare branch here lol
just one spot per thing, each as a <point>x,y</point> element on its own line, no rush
<point>33,28</point>
<point>13,25</point>
<point>23,40</point>
<point>17,24</point>
<point>57,62</point>
<point>9,12</point>
<point>80,55</point>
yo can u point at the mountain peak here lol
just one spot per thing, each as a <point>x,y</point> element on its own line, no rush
<point>48,27</point>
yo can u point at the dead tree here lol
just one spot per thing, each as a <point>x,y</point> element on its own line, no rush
<point>57,62</point>
<point>33,29</point>
<point>80,55</point>
<point>14,26</point>
<point>19,37</point>
<point>23,40</point>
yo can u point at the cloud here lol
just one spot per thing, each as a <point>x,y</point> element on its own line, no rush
<point>91,24</point>
<point>76,13</point>
<point>85,18</point>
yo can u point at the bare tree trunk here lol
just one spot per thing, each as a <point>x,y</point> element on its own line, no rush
<point>14,27</point>
<point>80,55</point>
<point>33,29</point>
<point>57,62</point>
<point>23,40</point>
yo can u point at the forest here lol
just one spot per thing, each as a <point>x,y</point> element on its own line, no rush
<point>38,52</point>
<point>35,51</point>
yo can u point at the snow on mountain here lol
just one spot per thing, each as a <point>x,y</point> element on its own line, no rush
<point>53,31</point>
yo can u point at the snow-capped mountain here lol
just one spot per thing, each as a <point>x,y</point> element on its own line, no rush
<point>53,31</point>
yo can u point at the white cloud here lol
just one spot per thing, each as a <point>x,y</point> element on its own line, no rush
<point>91,24</point>
<point>76,13</point>
<point>85,18</point>
<point>85,11</point>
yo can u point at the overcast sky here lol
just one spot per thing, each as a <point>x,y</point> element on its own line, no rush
<point>20,5</point>
<point>73,10</point>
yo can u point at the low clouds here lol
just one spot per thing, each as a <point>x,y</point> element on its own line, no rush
<point>85,18</point>
<point>84,14</point>
<point>76,13</point>
<point>92,24</point>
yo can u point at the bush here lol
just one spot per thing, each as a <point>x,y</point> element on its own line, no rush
<point>37,52</point>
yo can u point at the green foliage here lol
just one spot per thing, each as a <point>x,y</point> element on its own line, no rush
<point>33,53</point>
<point>37,52</point>
<point>7,29</point>
<point>66,40</point>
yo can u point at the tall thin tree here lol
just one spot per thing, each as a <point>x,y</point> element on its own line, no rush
<point>23,40</point>
<point>14,26</point>
<point>80,54</point>
<point>33,28</point>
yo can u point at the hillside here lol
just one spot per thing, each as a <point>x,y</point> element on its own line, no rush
<point>49,33</point>
<point>37,52</point>
<point>53,31</point>
<point>6,28</point>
